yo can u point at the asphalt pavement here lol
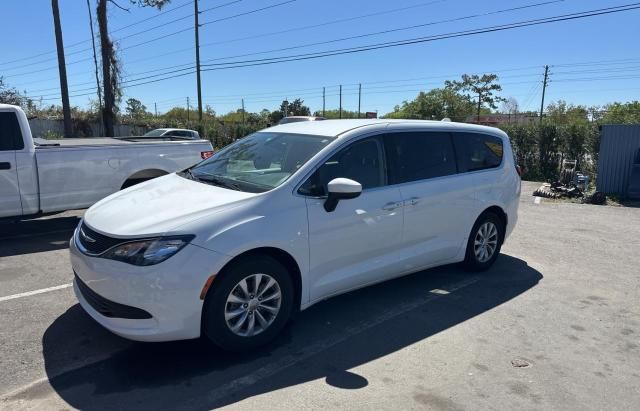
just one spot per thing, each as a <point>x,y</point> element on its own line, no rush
<point>555,324</point>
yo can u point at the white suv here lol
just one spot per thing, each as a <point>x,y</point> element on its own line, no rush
<point>290,216</point>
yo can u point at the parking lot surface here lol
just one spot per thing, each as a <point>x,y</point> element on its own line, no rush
<point>555,324</point>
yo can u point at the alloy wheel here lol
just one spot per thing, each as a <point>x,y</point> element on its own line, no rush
<point>253,305</point>
<point>485,242</point>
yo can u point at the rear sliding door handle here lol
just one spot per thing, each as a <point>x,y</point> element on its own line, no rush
<point>392,206</point>
<point>5,166</point>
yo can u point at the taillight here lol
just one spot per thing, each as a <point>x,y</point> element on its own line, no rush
<point>520,170</point>
<point>206,154</point>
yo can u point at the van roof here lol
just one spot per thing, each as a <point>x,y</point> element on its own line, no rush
<point>334,128</point>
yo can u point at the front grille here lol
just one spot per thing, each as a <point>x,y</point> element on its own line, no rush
<point>94,242</point>
<point>109,308</point>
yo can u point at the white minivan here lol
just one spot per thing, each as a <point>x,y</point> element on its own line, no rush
<point>290,216</point>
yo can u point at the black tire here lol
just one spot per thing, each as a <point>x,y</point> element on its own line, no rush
<point>214,324</point>
<point>472,262</point>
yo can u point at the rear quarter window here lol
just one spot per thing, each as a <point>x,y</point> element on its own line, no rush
<point>476,151</point>
<point>10,134</point>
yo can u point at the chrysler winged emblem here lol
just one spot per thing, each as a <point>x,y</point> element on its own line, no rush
<point>85,237</point>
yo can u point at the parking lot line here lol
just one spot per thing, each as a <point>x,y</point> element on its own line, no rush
<point>35,292</point>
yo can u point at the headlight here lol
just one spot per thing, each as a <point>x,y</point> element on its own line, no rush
<point>148,252</point>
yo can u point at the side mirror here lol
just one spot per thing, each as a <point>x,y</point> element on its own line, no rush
<point>341,189</point>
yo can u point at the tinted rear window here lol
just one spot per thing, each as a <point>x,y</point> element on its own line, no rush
<point>477,151</point>
<point>10,134</point>
<point>416,156</point>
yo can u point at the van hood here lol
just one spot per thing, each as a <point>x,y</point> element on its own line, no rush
<point>159,206</point>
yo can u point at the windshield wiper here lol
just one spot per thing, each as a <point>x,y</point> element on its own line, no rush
<point>218,181</point>
<point>188,174</point>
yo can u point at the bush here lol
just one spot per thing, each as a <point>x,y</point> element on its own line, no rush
<point>540,148</point>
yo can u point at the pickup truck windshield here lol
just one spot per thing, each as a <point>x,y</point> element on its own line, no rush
<point>258,162</point>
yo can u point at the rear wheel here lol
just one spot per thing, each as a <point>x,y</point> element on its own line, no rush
<point>484,242</point>
<point>249,304</point>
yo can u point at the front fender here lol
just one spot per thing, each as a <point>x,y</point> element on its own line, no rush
<point>238,232</point>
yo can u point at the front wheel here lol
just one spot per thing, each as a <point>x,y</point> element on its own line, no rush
<point>484,242</point>
<point>249,305</point>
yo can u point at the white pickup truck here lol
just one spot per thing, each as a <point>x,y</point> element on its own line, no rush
<point>40,176</point>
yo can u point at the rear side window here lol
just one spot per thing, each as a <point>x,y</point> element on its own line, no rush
<point>361,161</point>
<point>10,134</point>
<point>414,156</point>
<point>477,151</point>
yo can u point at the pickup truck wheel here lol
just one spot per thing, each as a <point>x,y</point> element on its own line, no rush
<point>249,304</point>
<point>132,182</point>
<point>484,242</point>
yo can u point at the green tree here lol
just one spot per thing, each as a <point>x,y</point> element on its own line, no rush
<point>289,108</point>
<point>563,113</point>
<point>621,113</point>
<point>135,109</point>
<point>435,104</point>
<point>335,114</point>
<point>11,95</point>
<point>482,88</point>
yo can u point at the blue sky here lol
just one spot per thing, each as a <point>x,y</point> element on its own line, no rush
<point>594,60</point>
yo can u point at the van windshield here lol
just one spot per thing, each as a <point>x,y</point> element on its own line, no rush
<point>258,162</point>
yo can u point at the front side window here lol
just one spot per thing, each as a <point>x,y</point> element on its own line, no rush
<point>258,162</point>
<point>414,156</point>
<point>477,151</point>
<point>360,161</point>
<point>10,134</point>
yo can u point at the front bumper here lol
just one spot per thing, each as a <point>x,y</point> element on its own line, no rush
<point>169,292</point>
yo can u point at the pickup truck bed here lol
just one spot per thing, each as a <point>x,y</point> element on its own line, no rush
<point>105,141</point>
<point>43,176</point>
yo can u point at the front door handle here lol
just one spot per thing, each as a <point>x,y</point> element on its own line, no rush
<point>412,201</point>
<point>392,205</point>
<point>5,166</point>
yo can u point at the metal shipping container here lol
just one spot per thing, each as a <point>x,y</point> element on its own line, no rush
<point>618,147</point>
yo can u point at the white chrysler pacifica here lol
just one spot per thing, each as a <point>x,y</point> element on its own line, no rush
<point>290,216</point>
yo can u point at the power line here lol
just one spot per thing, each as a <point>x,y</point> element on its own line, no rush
<point>312,26</point>
<point>124,37</point>
<point>248,12</point>
<point>188,2</point>
<point>466,33</point>
<point>202,24</point>
<point>377,33</point>
<point>189,16</point>
<point>317,43</point>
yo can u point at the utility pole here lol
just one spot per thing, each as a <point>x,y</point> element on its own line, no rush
<point>544,89</point>
<point>243,119</point>
<point>155,106</point>
<point>62,69</point>
<point>359,98</point>
<point>188,119</point>
<point>95,62</point>
<point>323,101</point>
<point>106,51</point>
<point>340,100</point>
<point>197,26</point>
